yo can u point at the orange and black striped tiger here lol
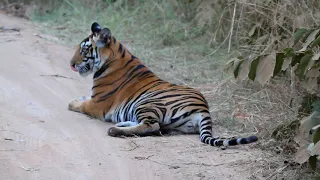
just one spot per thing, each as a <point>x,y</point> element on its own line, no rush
<point>127,93</point>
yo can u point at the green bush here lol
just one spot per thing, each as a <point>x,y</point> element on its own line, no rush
<point>301,56</point>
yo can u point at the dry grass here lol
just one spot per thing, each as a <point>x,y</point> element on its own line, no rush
<point>263,26</point>
<point>188,43</point>
<point>271,167</point>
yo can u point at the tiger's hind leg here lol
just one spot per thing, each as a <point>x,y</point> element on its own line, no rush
<point>126,124</point>
<point>144,128</point>
<point>189,125</point>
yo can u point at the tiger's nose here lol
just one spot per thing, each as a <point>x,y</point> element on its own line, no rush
<point>73,67</point>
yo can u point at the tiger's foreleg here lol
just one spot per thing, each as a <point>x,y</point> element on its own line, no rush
<point>80,104</point>
<point>145,127</point>
<point>86,106</point>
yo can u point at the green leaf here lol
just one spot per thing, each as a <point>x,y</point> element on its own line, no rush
<point>313,162</point>
<point>253,68</point>
<point>314,129</point>
<point>304,63</point>
<point>298,34</point>
<point>279,62</point>
<point>296,59</point>
<point>237,68</point>
<point>230,64</point>
<point>315,42</point>
<point>316,136</point>
<point>231,61</point>
<point>309,40</point>
<point>316,105</point>
<point>306,35</point>
<point>289,52</point>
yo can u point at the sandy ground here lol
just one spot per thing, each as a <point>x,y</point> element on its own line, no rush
<point>41,139</point>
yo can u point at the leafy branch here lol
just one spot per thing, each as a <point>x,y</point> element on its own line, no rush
<point>301,55</point>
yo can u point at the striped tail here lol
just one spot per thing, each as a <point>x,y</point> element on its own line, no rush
<point>206,135</point>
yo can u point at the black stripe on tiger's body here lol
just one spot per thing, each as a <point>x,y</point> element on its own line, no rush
<point>127,93</point>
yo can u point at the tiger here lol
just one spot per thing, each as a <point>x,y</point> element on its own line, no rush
<point>127,93</point>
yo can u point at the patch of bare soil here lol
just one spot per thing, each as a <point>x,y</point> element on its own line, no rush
<point>41,139</point>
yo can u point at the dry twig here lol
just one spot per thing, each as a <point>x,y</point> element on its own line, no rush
<point>57,75</point>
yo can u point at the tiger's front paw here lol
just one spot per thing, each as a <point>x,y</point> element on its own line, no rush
<point>75,105</point>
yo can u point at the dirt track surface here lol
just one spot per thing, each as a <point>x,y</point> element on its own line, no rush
<point>41,139</point>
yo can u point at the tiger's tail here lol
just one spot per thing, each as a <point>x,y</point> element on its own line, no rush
<point>206,135</point>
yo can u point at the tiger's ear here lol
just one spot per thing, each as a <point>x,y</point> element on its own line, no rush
<point>102,38</point>
<point>95,28</point>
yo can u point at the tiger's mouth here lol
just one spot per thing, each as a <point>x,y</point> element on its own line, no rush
<point>73,67</point>
<point>85,70</point>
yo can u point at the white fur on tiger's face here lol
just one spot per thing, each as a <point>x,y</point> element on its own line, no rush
<point>89,61</point>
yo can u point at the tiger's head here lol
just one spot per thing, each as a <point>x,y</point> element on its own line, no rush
<point>87,59</point>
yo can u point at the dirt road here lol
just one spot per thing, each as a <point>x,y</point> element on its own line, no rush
<point>41,139</point>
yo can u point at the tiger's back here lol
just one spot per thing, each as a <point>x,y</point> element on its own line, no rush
<point>127,93</point>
